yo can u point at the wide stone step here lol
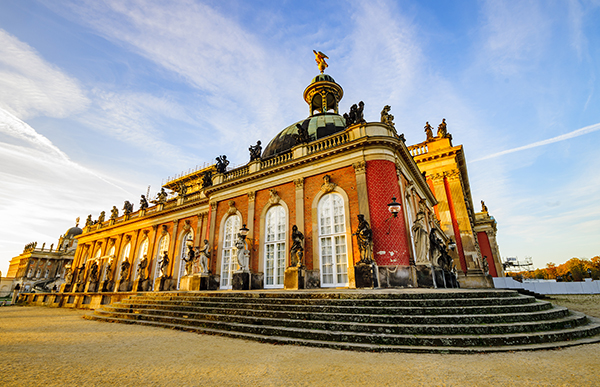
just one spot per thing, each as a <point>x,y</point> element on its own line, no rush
<point>362,302</point>
<point>345,294</point>
<point>354,340</point>
<point>329,308</point>
<point>445,328</point>
<point>545,314</point>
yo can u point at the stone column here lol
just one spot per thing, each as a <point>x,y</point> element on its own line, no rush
<point>299,183</point>
<point>360,169</point>
<point>211,234</point>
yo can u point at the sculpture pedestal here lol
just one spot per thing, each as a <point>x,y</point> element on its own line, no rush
<point>294,278</point>
<point>240,281</point>
<point>440,281</point>
<point>123,286</point>
<point>365,275</point>
<point>91,287</point>
<point>424,276</point>
<point>475,278</point>
<point>107,286</point>
<point>141,285</point>
<point>194,282</point>
<point>163,284</point>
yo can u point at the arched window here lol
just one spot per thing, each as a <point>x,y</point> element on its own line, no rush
<point>124,257</point>
<point>228,262</point>
<point>143,250</point>
<point>163,247</point>
<point>275,235</point>
<point>332,241</point>
<point>183,254</point>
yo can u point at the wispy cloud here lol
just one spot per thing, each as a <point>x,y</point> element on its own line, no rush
<point>30,86</point>
<point>515,33</point>
<point>563,137</point>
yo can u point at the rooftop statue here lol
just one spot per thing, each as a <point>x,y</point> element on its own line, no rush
<point>222,164</point>
<point>356,114</point>
<point>428,131</point>
<point>181,189</point>
<point>255,151</point>
<point>386,117</point>
<point>143,203</point>
<point>302,137</point>
<point>483,207</point>
<point>320,59</point>
<point>114,213</point>
<point>442,129</point>
<point>127,207</point>
<point>101,217</point>
<point>161,197</point>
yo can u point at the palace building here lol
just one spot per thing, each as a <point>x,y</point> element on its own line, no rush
<point>332,201</point>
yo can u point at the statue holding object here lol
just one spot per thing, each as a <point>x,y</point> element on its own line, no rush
<point>364,237</point>
<point>255,151</point>
<point>297,250</point>
<point>221,164</point>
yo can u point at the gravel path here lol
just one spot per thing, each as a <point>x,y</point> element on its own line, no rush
<point>57,347</point>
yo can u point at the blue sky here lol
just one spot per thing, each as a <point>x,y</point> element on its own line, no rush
<point>99,99</point>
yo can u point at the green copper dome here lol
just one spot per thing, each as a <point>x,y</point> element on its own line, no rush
<point>318,126</point>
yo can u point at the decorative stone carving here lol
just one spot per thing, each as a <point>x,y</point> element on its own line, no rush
<point>163,264</point>
<point>297,250</point>
<point>255,151</point>
<point>364,237</point>
<point>143,203</point>
<point>386,117</point>
<point>428,131</point>
<point>327,185</point>
<point>204,257</point>
<point>421,239</point>
<point>89,221</point>
<point>207,179</point>
<point>187,225</point>
<point>242,254</point>
<point>299,183</point>
<point>251,196</point>
<point>161,197</point>
<point>213,206</point>
<point>125,265</point>
<point>221,164</point>
<point>114,213</point>
<point>94,272</point>
<point>181,189</point>
<point>360,167</point>
<point>109,270</point>
<point>81,274</point>
<point>189,260</point>
<point>101,217</point>
<point>273,196</point>
<point>232,210</point>
<point>69,276</point>
<point>165,230</point>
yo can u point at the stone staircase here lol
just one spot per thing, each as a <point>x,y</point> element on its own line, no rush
<point>408,320</point>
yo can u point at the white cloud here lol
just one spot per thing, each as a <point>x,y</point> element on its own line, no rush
<point>42,189</point>
<point>30,86</point>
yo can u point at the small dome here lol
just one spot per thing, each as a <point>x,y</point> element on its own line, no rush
<point>73,232</point>
<point>321,78</point>
<point>318,126</point>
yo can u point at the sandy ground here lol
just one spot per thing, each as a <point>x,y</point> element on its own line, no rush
<point>56,347</point>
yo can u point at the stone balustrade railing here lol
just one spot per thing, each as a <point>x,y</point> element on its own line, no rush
<point>419,149</point>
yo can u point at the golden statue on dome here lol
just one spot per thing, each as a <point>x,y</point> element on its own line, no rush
<point>320,59</point>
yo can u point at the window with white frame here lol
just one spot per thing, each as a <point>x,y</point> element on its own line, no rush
<point>332,241</point>
<point>275,235</point>
<point>228,262</point>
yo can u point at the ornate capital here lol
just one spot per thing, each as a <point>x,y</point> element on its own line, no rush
<point>299,183</point>
<point>436,176</point>
<point>111,242</point>
<point>251,196</point>
<point>453,174</point>
<point>213,206</point>
<point>127,237</point>
<point>146,232</point>
<point>165,230</point>
<point>360,167</point>
<point>187,225</point>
